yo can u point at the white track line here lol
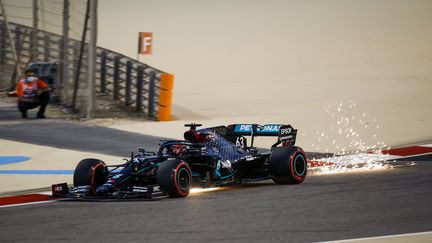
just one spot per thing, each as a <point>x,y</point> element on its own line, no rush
<point>49,193</point>
<point>28,203</point>
<point>411,237</point>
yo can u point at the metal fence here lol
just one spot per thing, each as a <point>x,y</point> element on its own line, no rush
<point>128,81</point>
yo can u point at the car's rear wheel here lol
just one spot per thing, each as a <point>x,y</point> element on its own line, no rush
<point>174,178</point>
<point>92,172</point>
<point>288,165</point>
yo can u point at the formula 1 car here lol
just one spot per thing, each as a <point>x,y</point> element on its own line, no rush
<point>207,157</point>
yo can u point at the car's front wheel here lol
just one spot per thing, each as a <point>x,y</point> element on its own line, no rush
<point>92,172</point>
<point>174,178</point>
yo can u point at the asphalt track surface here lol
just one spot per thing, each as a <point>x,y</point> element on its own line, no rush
<point>328,207</point>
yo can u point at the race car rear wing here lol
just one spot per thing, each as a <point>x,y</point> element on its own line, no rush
<point>285,133</point>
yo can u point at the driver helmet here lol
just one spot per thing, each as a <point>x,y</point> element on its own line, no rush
<point>178,149</point>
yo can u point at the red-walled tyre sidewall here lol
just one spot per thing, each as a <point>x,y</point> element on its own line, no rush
<point>174,177</point>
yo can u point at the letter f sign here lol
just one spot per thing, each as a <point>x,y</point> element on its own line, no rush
<point>145,43</point>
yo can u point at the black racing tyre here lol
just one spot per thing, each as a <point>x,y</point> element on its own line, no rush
<point>91,172</point>
<point>288,165</point>
<point>174,178</point>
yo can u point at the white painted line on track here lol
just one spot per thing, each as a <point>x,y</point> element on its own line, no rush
<point>400,238</point>
<point>28,203</point>
<point>49,193</point>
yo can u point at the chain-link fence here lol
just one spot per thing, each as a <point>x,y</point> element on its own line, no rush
<point>53,34</point>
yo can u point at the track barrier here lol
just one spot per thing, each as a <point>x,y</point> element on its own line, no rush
<point>166,90</point>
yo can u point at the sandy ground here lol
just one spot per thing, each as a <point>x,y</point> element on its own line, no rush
<point>393,113</point>
<point>311,64</point>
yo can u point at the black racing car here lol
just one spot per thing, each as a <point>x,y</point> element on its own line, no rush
<point>207,157</point>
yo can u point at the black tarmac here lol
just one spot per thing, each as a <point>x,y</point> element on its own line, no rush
<point>326,207</point>
<point>65,134</point>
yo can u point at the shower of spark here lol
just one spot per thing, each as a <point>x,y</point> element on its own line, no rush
<point>351,163</point>
<point>355,150</point>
